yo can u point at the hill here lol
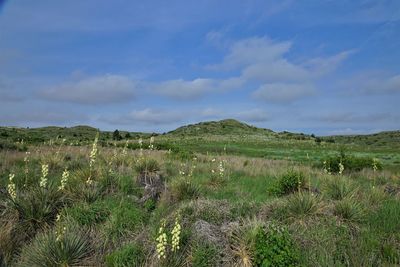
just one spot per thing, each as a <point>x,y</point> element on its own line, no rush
<point>222,127</point>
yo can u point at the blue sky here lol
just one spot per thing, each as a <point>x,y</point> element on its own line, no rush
<point>316,66</point>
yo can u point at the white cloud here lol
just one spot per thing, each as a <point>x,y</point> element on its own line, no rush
<point>253,115</point>
<point>93,90</point>
<point>147,116</point>
<point>283,92</point>
<point>194,89</point>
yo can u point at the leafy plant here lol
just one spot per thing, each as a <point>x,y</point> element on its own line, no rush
<point>182,189</point>
<point>275,247</point>
<point>146,165</point>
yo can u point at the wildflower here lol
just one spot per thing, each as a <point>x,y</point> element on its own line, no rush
<point>45,172</point>
<point>11,186</point>
<point>162,242</point>
<point>341,168</point>
<point>64,179</point>
<point>140,146</point>
<point>176,232</point>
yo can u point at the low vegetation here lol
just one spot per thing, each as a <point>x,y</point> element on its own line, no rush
<point>212,194</point>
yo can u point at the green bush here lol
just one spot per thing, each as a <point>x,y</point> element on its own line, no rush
<point>350,163</point>
<point>72,249</point>
<point>288,183</point>
<point>274,247</point>
<point>128,255</point>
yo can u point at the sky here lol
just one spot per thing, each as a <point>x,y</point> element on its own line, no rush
<point>314,66</point>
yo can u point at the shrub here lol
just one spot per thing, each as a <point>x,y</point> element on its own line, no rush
<point>72,249</point>
<point>274,247</point>
<point>288,183</point>
<point>128,255</point>
<point>350,163</point>
<point>350,210</point>
<point>338,188</point>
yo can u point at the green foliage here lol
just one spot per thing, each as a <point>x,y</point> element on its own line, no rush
<point>125,217</point>
<point>88,214</point>
<point>204,254</point>
<point>387,218</point>
<point>45,250</point>
<point>127,255</point>
<point>288,183</point>
<point>275,247</point>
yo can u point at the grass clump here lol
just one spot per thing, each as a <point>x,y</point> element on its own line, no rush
<point>146,165</point>
<point>128,255</point>
<point>204,254</point>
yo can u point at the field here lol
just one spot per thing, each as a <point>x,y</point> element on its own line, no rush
<point>212,194</point>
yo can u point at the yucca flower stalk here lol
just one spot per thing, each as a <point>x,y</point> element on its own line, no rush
<point>11,187</point>
<point>141,147</point>
<point>92,160</point>
<point>176,232</point>
<point>26,169</point>
<point>341,168</point>
<point>151,145</point>
<point>162,242</point>
<point>43,178</point>
<point>64,179</point>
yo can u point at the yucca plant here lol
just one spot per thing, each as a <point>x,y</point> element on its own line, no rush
<point>37,207</point>
<point>303,204</point>
<point>349,210</point>
<point>338,188</point>
<point>47,249</point>
<point>182,189</point>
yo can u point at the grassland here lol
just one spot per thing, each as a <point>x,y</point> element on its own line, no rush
<point>225,193</point>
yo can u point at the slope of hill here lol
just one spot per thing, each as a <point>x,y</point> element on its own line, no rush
<point>381,139</point>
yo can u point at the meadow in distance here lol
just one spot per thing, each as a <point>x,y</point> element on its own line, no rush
<point>220,193</point>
